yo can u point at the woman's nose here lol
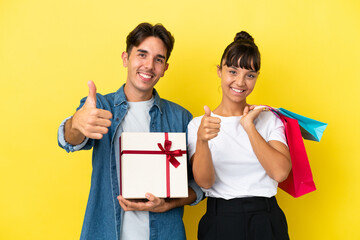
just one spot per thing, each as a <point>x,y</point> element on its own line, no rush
<point>240,80</point>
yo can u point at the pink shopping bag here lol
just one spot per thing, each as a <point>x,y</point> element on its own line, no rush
<point>300,180</point>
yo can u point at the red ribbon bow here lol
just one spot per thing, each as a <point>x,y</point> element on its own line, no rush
<point>170,155</point>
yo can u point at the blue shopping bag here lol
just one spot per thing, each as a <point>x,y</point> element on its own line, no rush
<point>310,129</point>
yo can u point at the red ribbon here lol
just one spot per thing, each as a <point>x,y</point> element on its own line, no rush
<point>170,158</point>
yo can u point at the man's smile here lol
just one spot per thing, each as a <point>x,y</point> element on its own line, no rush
<point>145,76</point>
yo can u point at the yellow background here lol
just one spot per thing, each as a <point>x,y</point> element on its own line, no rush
<point>50,49</point>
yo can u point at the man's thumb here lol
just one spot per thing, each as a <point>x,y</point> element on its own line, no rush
<point>207,111</point>
<point>92,93</point>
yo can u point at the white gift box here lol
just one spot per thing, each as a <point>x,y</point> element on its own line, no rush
<point>147,167</point>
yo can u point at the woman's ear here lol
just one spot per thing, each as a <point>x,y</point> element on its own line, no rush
<point>218,71</point>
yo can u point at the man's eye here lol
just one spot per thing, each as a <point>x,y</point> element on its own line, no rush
<point>141,54</point>
<point>159,60</point>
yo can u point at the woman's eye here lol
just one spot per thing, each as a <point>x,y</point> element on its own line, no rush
<point>251,76</point>
<point>232,72</point>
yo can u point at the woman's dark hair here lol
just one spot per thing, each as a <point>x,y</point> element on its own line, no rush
<point>144,30</point>
<point>243,48</point>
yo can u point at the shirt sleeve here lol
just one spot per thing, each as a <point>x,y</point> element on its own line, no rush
<point>277,132</point>
<point>192,136</point>
<point>197,190</point>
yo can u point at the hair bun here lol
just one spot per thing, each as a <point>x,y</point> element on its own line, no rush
<point>243,36</point>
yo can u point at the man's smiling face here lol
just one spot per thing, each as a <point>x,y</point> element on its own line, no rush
<point>146,64</point>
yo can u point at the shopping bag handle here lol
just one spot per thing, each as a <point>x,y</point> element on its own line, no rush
<point>276,113</point>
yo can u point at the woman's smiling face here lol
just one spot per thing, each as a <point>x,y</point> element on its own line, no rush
<point>236,83</point>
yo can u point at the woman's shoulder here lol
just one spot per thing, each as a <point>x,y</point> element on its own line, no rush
<point>268,118</point>
<point>267,115</point>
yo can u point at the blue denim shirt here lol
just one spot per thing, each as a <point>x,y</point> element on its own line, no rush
<point>103,212</point>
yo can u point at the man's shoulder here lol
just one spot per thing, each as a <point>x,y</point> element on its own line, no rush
<point>108,97</point>
<point>105,100</point>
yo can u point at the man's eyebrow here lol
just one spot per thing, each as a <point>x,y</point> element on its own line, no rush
<point>161,56</point>
<point>144,51</point>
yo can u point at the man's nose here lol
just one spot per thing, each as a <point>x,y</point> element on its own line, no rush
<point>149,63</point>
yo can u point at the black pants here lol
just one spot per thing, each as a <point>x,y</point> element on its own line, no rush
<point>252,218</point>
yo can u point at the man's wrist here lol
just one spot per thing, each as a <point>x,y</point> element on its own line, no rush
<point>171,203</point>
<point>71,134</point>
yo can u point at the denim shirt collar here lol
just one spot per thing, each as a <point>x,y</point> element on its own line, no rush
<point>120,98</point>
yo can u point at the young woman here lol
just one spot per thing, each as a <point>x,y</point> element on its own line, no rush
<point>239,154</point>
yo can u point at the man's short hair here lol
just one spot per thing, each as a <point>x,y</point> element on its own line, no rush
<point>145,30</point>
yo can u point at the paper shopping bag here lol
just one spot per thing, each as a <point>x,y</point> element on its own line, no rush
<point>300,180</point>
<point>310,129</point>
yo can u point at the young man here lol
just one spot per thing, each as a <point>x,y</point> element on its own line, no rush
<point>135,107</point>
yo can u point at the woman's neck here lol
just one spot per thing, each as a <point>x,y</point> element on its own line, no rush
<point>230,109</point>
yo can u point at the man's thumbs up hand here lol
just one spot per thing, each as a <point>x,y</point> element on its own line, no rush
<point>89,120</point>
<point>209,126</point>
<point>91,99</point>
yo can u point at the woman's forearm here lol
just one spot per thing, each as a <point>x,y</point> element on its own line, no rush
<point>202,165</point>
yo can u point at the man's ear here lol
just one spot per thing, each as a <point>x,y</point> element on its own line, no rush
<point>166,68</point>
<point>125,59</point>
<point>218,71</point>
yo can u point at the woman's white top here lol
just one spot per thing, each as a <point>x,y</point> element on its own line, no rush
<point>238,172</point>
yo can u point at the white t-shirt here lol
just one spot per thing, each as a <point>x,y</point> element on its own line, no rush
<point>238,172</point>
<point>135,224</point>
